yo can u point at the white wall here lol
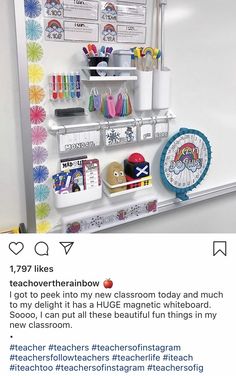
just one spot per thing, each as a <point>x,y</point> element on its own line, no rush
<point>216,215</point>
<point>12,201</point>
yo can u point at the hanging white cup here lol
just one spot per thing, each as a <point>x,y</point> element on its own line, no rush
<point>161,89</point>
<point>143,91</point>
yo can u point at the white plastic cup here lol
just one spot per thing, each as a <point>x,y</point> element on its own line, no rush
<point>161,89</point>
<point>143,91</point>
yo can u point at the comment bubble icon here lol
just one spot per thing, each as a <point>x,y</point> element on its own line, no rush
<point>42,249</point>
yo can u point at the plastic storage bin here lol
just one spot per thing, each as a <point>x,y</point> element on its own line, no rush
<point>77,198</point>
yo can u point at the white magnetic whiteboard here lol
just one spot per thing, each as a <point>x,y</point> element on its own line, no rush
<point>203,91</point>
<point>199,40</point>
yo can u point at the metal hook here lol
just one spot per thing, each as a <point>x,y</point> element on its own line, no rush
<point>134,124</point>
<point>154,120</point>
<point>168,126</point>
<point>108,91</point>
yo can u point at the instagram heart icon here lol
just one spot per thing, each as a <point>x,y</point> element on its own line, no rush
<point>16,248</point>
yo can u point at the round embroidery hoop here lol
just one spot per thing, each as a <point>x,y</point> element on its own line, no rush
<point>185,161</point>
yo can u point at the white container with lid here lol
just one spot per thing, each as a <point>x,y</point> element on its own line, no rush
<point>122,58</point>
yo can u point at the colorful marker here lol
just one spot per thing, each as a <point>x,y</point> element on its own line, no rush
<point>59,86</point>
<point>90,49</point>
<point>77,84</point>
<point>94,49</point>
<point>54,87</point>
<point>72,86</point>
<point>65,86</point>
<point>102,51</point>
<point>85,51</point>
<point>108,51</point>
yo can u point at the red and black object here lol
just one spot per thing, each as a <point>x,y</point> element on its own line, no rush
<point>134,184</point>
<point>136,167</point>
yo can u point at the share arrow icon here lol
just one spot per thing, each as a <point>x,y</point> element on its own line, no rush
<point>67,246</point>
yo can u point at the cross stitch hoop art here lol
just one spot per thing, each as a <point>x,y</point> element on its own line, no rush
<point>185,161</point>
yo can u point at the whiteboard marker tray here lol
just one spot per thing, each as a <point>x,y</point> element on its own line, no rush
<point>77,198</point>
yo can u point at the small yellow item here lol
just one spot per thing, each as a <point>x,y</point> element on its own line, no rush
<point>156,53</point>
<point>12,230</point>
<point>147,50</point>
<point>137,53</point>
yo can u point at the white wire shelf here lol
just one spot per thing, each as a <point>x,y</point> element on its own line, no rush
<point>89,78</point>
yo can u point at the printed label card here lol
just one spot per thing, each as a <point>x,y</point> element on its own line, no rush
<point>54,31</point>
<point>80,31</point>
<point>131,14</point>
<point>109,33</point>
<point>161,130</point>
<point>120,135</point>
<point>108,12</point>
<point>143,2</point>
<point>79,141</point>
<point>131,34</point>
<point>146,132</point>
<point>81,9</point>
<point>53,8</point>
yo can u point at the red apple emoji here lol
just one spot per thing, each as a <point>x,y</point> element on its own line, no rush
<point>108,283</point>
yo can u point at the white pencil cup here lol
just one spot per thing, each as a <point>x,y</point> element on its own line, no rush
<point>143,91</point>
<point>161,89</point>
